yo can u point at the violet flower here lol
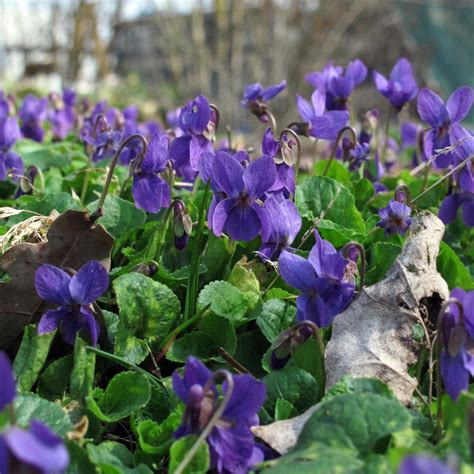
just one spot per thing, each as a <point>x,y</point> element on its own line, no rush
<point>441,118</point>
<point>32,112</point>
<point>74,295</point>
<point>10,162</point>
<point>325,280</point>
<point>465,180</point>
<point>198,121</point>
<point>104,140</point>
<point>421,464</point>
<point>62,117</point>
<point>338,83</point>
<point>23,449</point>
<point>395,217</point>
<point>256,98</point>
<point>324,125</point>
<point>457,356</point>
<point>239,214</point>
<point>401,87</point>
<point>150,191</point>
<point>285,223</point>
<point>231,443</point>
<point>279,151</point>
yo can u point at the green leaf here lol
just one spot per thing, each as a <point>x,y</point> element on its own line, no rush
<point>452,269</point>
<point>32,407</point>
<point>225,300</point>
<point>79,460</point>
<point>55,379</point>
<point>363,191</point>
<point>155,438</point>
<point>283,409</point>
<point>31,356</point>
<point>275,316</point>
<point>215,258</point>
<point>114,458</point>
<point>220,330</point>
<point>336,171</point>
<point>246,281</point>
<point>319,197</point>
<point>318,458</point>
<point>363,419</point>
<point>382,256</point>
<point>196,343</point>
<point>358,385</point>
<point>199,463</point>
<point>82,376</point>
<point>147,309</point>
<point>42,155</point>
<point>119,215</point>
<point>292,384</point>
<point>125,393</point>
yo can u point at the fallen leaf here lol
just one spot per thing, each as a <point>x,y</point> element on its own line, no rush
<point>72,240</point>
<point>282,435</point>
<point>373,336</point>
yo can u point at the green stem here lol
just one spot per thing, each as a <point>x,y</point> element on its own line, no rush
<point>107,355</point>
<point>386,131</point>
<point>193,280</point>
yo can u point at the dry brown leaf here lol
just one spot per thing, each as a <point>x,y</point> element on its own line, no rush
<point>282,435</point>
<point>373,336</point>
<point>72,240</point>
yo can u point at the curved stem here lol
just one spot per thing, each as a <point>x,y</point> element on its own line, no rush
<point>336,143</point>
<point>272,119</point>
<point>403,188</point>
<point>212,422</point>
<point>439,345</point>
<point>218,114</point>
<point>98,212</point>
<point>363,260</point>
<point>320,342</point>
<point>296,165</point>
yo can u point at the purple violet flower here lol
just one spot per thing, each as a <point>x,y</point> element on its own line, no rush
<point>285,223</point>
<point>238,213</point>
<point>37,446</point>
<point>338,83</point>
<point>62,116</point>
<point>256,98</point>
<point>32,112</point>
<point>105,141</point>
<point>231,443</point>
<point>198,121</point>
<point>401,87</point>
<point>74,295</point>
<point>10,162</point>
<point>324,125</point>
<point>465,198</point>
<point>325,280</point>
<point>457,356</point>
<point>421,464</point>
<point>395,217</point>
<point>150,191</point>
<point>441,118</point>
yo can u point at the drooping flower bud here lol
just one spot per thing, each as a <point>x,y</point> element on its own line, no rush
<point>182,224</point>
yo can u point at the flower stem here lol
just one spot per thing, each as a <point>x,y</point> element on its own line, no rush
<point>336,143</point>
<point>98,212</point>
<point>193,280</point>
<point>447,175</point>
<point>386,131</point>
<point>298,156</point>
<point>212,422</point>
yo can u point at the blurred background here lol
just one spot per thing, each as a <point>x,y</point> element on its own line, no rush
<point>159,53</point>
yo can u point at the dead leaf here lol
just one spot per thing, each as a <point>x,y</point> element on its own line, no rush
<point>72,240</point>
<point>373,336</point>
<point>282,435</point>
